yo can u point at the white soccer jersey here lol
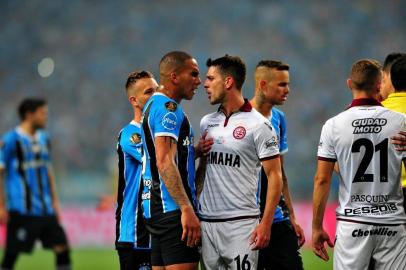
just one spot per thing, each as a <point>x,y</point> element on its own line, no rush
<point>233,164</point>
<point>370,168</point>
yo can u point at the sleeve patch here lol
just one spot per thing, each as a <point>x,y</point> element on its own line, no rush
<point>169,121</point>
<point>171,106</point>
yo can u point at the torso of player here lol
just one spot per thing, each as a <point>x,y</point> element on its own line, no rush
<point>370,188</point>
<point>231,181</point>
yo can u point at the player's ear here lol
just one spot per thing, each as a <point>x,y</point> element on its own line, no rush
<point>349,84</point>
<point>228,82</point>
<point>262,84</point>
<point>174,77</point>
<point>133,101</point>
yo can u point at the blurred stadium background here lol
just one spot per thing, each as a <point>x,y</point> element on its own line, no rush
<point>78,54</point>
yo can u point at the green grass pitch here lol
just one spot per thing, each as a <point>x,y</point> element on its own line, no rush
<point>105,259</point>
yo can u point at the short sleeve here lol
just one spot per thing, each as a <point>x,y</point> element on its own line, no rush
<point>326,146</point>
<point>283,139</point>
<point>266,141</point>
<point>167,120</point>
<point>7,147</point>
<point>131,144</point>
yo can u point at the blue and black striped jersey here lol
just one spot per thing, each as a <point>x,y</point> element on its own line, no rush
<point>130,228</point>
<point>279,124</point>
<point>26,161</point>
<point>162,116</point>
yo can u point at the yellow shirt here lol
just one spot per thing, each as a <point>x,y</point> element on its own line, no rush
<point>397,102</point>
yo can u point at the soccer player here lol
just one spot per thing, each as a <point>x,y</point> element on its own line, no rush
<point>394,74</point>
<point>132,238</point>
<point>169,201</point>
<point>371,220</point>
<point>232,232</point>
<point>29,206</point>
<point>272,88</point>
<point>386,86</point>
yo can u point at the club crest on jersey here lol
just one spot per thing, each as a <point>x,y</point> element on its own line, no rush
<point>135,138</point>
<point>239,132</point>
<point>169,121</point>
<point>171,106</point>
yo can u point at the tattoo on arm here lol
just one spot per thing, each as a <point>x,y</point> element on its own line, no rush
<point>200,175</point>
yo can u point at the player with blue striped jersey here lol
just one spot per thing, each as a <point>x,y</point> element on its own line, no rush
<point>169,155</point>
<point>272,88</point>
<point>30,206</point>
<point>132,238</point>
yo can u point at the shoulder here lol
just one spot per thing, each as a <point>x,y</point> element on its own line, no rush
<point>131,133</point>
<point>209,117</point>
<point>9,137</point>
<point>278,113</point>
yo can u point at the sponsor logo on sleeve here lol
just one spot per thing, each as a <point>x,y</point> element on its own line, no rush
<point>272,142</point>
<point>239,132</point>
<point>135,138</point>
<point>171,106</point>
<point>169,121</point>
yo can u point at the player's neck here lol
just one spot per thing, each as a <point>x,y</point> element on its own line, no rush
<point>27,128</point>
<point>137,115</point>
<point>362,94</point>
<point>232,103</point>
<point>170,92</point>
<point>261,106</point>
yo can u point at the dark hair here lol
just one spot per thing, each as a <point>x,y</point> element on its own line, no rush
<point>365,74</point>
<point>390,59</point>
<point>398,74</point>
<point>30,105</point>
<point>173,60</point>
<point>230,66</point>
<point>134,76</point>
<point>278,65</point>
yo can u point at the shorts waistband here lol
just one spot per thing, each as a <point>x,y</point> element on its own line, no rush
<point>370,223</point>
<point>227,219</point>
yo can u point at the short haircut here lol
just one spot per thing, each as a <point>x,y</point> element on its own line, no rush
<point>134,76</point>
<point>398,74</point>
<point>390,59</point>
<point>273,64</point>
<point>230,66</point>
<point>173,61</point>
<point>365,74</point>
<point>30,105</point>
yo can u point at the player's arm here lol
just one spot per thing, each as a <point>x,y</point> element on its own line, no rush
<point>262,233</point>
<point>54,194</point>
<point>285,191</point>
<point>399,141</point>
<point>322,182</point>
<point>204,145</point>
<point>166,148</point>
<point>3,209</point>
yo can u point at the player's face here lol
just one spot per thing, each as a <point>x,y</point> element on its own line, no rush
<point>386,85</point>
<point>39,118</point>
<point>188,79</point>
<point>143,90</point>
<point>214,86</point>
<point>277,89</point>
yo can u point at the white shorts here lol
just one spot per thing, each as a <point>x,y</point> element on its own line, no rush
<point>358,246</point>
<point>225,245</point>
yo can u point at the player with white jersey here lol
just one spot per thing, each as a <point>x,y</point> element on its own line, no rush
<point>228,203</point>
<point>371,230</point>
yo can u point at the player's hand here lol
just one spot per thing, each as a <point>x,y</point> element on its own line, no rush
<point>204,145</point>
<point>319,238</point>
<point>299,233</point>
<point>399,140</point>
<point>106,202</point>
<point>190,226</point>
<point>3,215</point>
<point>260,236</point>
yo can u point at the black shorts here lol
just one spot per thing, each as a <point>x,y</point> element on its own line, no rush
<point>167,246</point>
<point>131,259</point>
<point>282,252</point>
<point>24,230</point>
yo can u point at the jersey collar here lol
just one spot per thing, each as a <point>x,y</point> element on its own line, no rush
<point>364,102</point>
<point>246,107</point>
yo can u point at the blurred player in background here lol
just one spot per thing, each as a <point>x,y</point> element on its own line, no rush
<point>29,206</point>
<point>232,232</point>
<point>371,230</point>
<point>170,198</point>
<point>395,87</point>
<point>272,88</point>
<point>132,238</point>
